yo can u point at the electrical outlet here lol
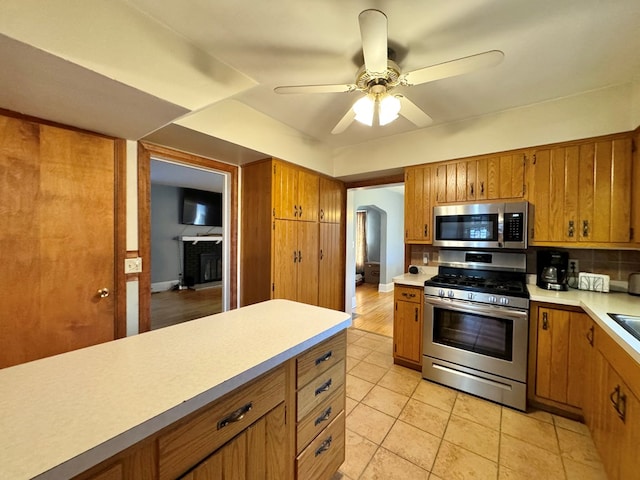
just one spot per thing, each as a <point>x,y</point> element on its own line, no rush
<point>574,266</point>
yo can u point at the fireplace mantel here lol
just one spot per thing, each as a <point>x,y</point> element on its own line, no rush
<point>202,238</point>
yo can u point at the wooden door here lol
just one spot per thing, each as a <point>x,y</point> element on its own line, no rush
<point>407,331</point>
<point>553,354</point>
<point>308,196</point>
<point>331,200</point>
<point>481,179</point>
<point>440,184</point>
<point>285,193</point>
<point>228,462</point>
<point>285,259</point>
<point>330,271</point>
<point>57,211</point>
<point>308,259</point>
<point>472,179</point>
<point>578,358</point>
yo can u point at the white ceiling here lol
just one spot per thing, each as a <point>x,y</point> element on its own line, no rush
<point>156,67</point>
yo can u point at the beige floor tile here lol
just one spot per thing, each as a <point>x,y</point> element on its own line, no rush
<point>352,362</point>
<point>425,417</point>
<point>537,414</point>
<point>530,430</point>
<point>478,410</point>
<point>341,476</point>
<point>379,358</point>
<point>578,447</point>
<point>580,471</point>
<point>409,372</point>
<point>528,461</point>
<point>358,453</point>
<point>368,371</point>
<point>358,352</point>
<point>385,465</point>
<point>455,462</point>
<point>357,388</point>
<point>370,342</point>
<point>350,404</point>
<point>385,400</point>
<point>435,395</point>
<point>474,437</point>
<point>370,423</point>
<point>568,424</point>
<point>353,335</point>
<point>412,444</point>
<point>399,382</point>
<point>433,476</point>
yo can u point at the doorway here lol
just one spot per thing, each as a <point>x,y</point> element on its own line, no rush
<point>164,289</point>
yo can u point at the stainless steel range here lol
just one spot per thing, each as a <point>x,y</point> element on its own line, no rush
<point>476,325</point>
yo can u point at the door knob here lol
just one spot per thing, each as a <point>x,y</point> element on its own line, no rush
<point>103,292</point>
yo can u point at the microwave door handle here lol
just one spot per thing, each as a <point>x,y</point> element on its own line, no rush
<point>501,226</point>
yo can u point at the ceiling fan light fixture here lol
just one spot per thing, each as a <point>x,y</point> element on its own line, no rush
<point>364,109</point>
<point>388,109</point>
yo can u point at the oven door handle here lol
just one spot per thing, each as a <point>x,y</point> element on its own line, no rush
<point>468,307</point>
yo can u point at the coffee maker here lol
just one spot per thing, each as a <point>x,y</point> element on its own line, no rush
<point>553,267</point>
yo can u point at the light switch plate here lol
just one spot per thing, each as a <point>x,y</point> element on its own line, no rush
<point>133,265</point>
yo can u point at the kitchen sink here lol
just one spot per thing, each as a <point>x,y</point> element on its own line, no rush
<point>631,323</point>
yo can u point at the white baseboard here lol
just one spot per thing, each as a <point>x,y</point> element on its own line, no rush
<point>385,287</point>
<point>163,286</point>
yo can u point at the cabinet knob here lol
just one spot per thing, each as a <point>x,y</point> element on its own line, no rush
<point>585,228</point>
<point>571,229</point>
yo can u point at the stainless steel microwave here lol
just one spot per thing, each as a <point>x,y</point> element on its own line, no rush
<point>481,225</point>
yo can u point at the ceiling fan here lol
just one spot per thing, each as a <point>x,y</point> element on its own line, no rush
<point>379,75</point>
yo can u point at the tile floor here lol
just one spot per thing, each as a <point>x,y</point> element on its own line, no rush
<point>400,426</point>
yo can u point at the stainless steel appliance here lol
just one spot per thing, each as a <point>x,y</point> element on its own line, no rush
<point>553,268</point>
<point>476,325</point>
<point>481,225</point>
<point>634,284</point>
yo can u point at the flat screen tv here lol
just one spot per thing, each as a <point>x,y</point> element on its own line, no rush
<point>200,207</point>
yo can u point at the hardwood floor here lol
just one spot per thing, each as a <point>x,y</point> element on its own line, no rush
<point>374,311</point>
<point>177,306</point>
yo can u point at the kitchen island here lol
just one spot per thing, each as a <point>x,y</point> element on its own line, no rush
<point>65,414</point>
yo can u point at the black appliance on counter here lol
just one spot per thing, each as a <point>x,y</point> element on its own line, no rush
<point>553,269</point>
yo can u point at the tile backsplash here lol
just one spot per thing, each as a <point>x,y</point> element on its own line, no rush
<point>618,264</point>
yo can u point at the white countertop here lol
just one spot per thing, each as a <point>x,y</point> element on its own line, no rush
<point>63,414</point>
<point>596,305</point>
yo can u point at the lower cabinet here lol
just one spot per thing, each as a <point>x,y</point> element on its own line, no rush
<point>407,326</point>
<point>277,427</point>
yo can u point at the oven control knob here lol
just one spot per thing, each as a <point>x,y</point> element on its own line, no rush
<point>492,299</point>
<point>451,294</point>
<point>504,301</point>
<point>440,292</point>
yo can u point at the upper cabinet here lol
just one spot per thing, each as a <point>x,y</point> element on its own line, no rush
<point>581,193</point>
<point>418,202</point>
<point>332,194</point>
<point>296,193</point>
<point>495,177</point>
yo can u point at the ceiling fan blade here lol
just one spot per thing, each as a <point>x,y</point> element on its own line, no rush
<point>413,113</point>
<point>453,68</point>
<point>344,122</point>
<point>373,30</point>
<point>316,88</point>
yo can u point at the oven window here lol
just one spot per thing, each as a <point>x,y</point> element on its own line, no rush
<point>475,333</point>
<point>467,227</point>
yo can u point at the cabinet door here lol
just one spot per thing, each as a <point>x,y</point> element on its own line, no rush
<point>285,193</point>
<point>605,191</point>
<point>407,331</point>
<point>331,273</point>
<point>307,203</point>
<point>629,458</point>
<point>578,357</point>
<point>418,206</point>
<point>553,354</point>
<point>331,200</point>
<point>285,259</point>
<point>307,264</point>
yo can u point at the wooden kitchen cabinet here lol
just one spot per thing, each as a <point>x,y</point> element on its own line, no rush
<point>561,341</point>
<point>407,326</point>
<point>418,204</point>
<point>581,193</point>
<point>282,242</point>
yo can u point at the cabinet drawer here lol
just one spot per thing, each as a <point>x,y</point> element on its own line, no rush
<point>322,458</point>
<point>320,358</point>
<point>314,393</point>
<point>319,418</point>
<point>408,294</point>
<point>199,435</point>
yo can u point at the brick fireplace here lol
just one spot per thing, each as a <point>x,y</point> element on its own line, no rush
<point>202,262</point>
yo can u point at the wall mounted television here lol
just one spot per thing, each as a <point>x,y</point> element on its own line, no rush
<point>200,207</point>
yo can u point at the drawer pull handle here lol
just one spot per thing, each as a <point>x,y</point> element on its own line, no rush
<point>590,335</point>
<point>236,416</point>
<point>409,295</point>
<point>323,388</point>
<point>324,357</point>
<point>323,417</point>
<point>324,446</point>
